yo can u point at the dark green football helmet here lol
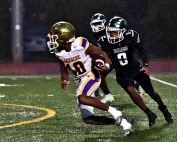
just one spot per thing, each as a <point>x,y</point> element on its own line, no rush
<point>60,34</point>
<point>116,25</point>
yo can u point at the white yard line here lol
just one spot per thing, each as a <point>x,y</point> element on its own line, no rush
<point>163,82</point>
<point>1,85</point>
<point>53,76</point>
<point>29,76</point>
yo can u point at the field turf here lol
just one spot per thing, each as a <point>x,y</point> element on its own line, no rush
<point>34,108</point>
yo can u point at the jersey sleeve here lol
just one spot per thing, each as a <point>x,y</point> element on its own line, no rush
<point>82,42</point>
<point>137,44</point>
<point>133,36</point>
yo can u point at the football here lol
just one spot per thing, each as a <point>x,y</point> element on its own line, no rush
<point>98,61</point>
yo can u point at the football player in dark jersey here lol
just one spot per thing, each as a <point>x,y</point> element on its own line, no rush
<point>119,44</point>
<point>97,25</point>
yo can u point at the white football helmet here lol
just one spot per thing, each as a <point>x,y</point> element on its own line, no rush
<point>97,23</point>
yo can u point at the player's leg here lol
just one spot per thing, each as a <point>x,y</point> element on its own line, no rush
<point>139,89</point>
<point>127,83</point>
<point>147,86</point>
<point>86,102</point>
<point>108,97</point>
<point>87,114</point>
<point>87,86</point>
<point>137,99</point>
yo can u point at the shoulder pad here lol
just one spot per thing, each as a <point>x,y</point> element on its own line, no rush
<point>100,34</point>
<point>133,34</point>
<point>101,42</point>
<point>101,39</point>
<point>81,41</point>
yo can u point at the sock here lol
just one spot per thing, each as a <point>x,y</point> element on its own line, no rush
<point>161,107</point>
<point>114,112</point>
<point>147,111</point>
<point>106,92</point>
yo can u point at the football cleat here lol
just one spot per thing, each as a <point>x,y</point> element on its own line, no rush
<point>118,108</point>
<point>167,115</point>
<point>152,117</point>
<point>127,131</point>
<point>118,120</point>
<point>107,98</point>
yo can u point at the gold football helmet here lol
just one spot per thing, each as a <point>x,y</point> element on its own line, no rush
<point>60,34</point>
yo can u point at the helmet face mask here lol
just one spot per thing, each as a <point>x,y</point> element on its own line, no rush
<point>97,23</point>
<point>52,43</point>
<point>115,30</point>
<point>60,34</point>
<point>115,36</point>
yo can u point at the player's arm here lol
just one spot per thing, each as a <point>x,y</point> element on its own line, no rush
<point>92,51</point>
<point>143,53</point>
<point>141,49</point>
<point>64,76</point>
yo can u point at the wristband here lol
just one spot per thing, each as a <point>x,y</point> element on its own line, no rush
<point>145,64</point>
<point>106,64</point>
<point>66,81</point>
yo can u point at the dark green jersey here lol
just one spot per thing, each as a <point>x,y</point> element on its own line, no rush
<point>122,53</point>
<point>98,35</point>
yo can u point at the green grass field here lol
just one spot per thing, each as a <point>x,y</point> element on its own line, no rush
<point>35,109</point>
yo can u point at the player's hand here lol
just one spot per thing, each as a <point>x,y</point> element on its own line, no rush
<point>65,84</point>
<point>105,68</point>
<point>102,68</point>
<point>145,70</point>
<point>98,67</point>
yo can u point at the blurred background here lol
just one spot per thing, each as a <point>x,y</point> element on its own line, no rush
<point>25,24</point>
